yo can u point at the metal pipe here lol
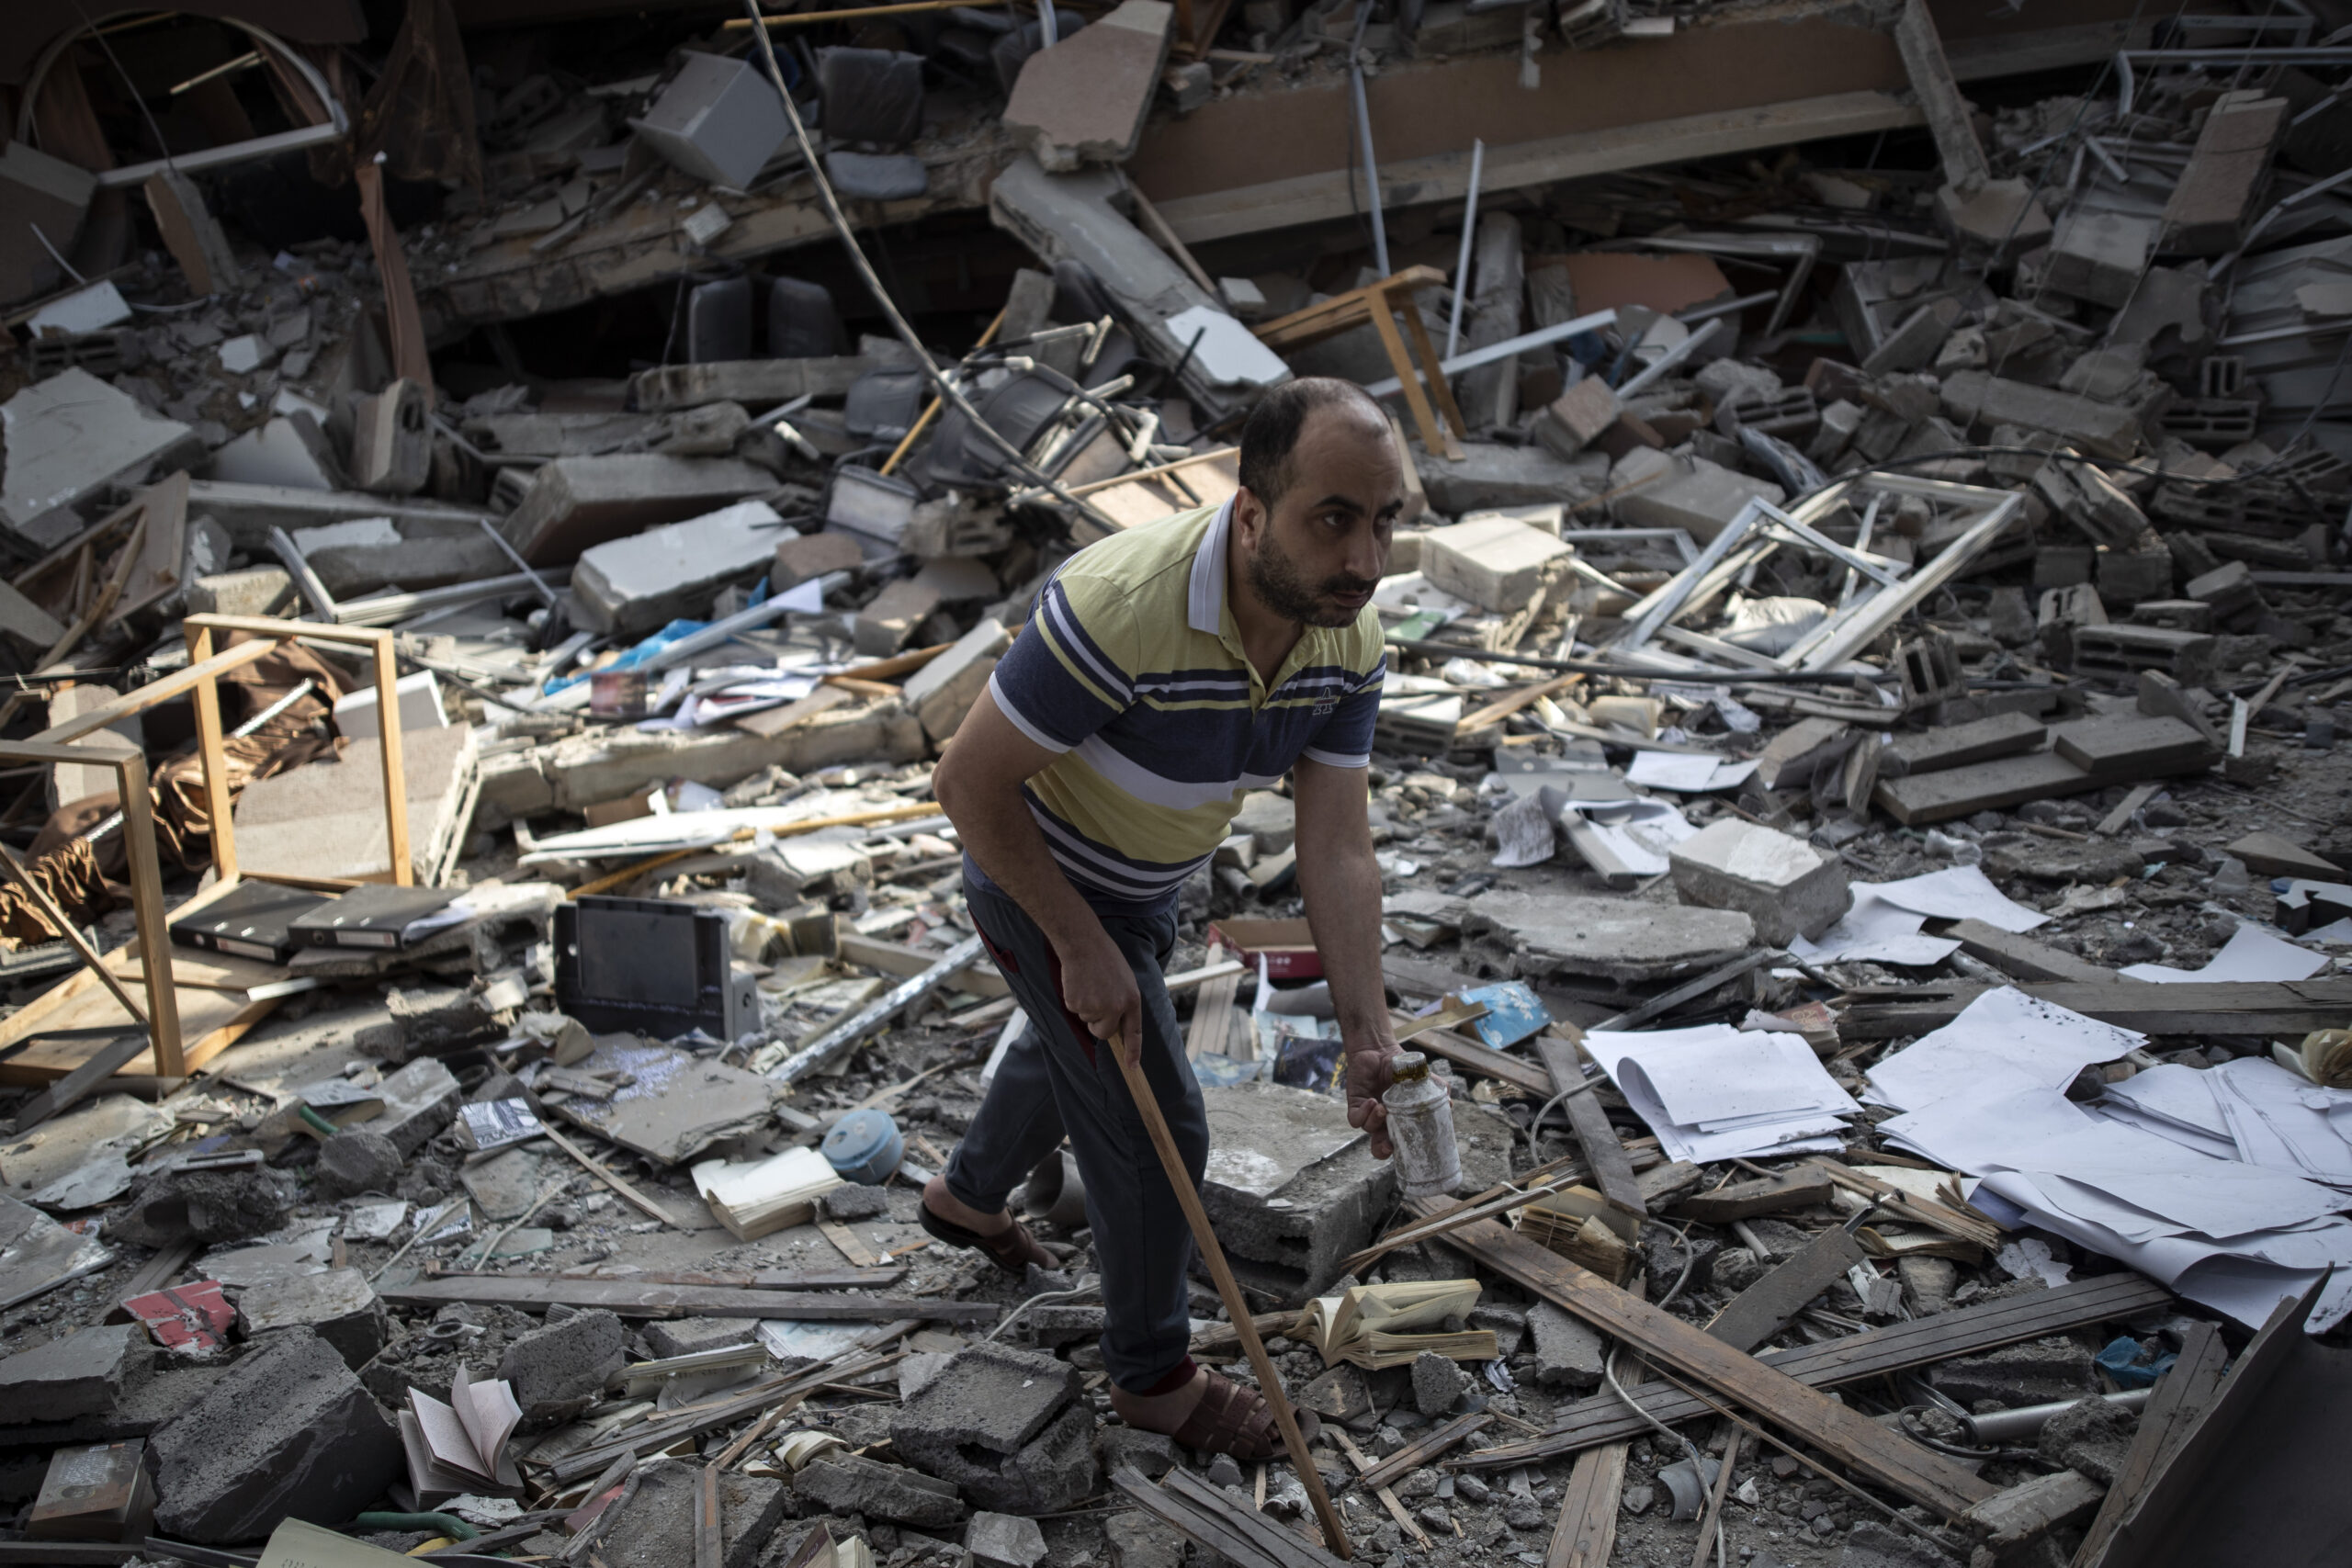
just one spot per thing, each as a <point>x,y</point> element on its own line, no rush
<point>1674,356</point>
<point>1469,230</point>
<point>1363,135</point>
<point>2025,1421</point>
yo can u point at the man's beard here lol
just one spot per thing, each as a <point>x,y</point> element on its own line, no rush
<point>1276,578</point>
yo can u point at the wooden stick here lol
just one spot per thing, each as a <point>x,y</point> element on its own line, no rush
<point>1386,1495</point>
<point>636,1198</point>
<point>1715,1502</point>
<point>671,857</point>
<point>931,410</point>
<point>1269,1382</point>
<point>1089,489</point>
<point>1159,230</point>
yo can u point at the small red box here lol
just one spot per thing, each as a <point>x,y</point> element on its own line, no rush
<point>1288,947</point>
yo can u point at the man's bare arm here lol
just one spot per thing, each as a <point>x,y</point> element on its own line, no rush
<point>1340,881</point>
<point>978,783</point>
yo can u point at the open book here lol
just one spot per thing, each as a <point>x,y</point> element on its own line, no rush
<point>460,1447</point>
<point>1387,1326</point>
<point>753,1198</point>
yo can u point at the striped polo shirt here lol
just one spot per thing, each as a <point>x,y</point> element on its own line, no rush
<point>1132,669</point>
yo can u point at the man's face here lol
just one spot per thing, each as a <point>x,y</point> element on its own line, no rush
<point>1318,554</point>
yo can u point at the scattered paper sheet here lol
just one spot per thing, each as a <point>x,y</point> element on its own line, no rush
<point>1715,1092</point>
<point>1882,924</point>
<point>2003,1039</point>
<point>1686,773</point>
<point>2251,953</point>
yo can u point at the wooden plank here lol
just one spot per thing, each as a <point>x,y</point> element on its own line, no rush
<point>893,958</point>
<point>1427,1449</point>
<point>760,1279</point>
<point>1965,1331</point>
<point>2179,1399</point>
<point>631,1299</point>
<point>2191,1007</point>
<point>69,1090</point>
<point>1845,1434</point>
<point>1586,1532</point>
<point>2022,955</point>
<point>1202,1514</point>
<point>1767,1307</point>
<point>1611,1171</point>
<point>1363,1461</point>
<point>1487,1063</point>
<point>2115,821</point>
<point>1746,1199</point>
<point>1274,1542</point>
<point>1211,1030</point>
<point>76,1007</point>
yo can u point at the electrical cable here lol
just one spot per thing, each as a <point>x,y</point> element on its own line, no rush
<point>1086,1287</point>
<point>940,383</point>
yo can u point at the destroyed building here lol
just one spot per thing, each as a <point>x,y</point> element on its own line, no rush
<point>1855,785</point>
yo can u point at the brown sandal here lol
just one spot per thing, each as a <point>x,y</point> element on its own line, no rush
<point>1231,1419</point>
<point>1011,1250</point>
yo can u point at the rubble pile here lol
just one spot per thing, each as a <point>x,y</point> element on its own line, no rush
<point>1853,791</point>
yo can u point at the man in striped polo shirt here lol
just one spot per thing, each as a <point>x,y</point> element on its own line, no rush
<point>1164,673</point>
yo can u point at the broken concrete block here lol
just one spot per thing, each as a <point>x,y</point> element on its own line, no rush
<point>1784,885</point>
<point>391,440</point>
<point>286,1431</point>
<point>1004,1541</point>
<point>47,198</point>
<point>326,818</point>
<point>2119,652</point>
<point>1438,1385</point>
<point>1138,1540</point>
<point>719,119</point>
<point>173,1206</point>
<point>1118,1448</point>
<point>1913,345</point>
<point>339,1306</point>
<point>1957,745</point>
<point>1569,1351</point>
<point>2089,1437</point>
<point>2208,211</point>
<point>883,627</point>
<point>357,1161</point>
<point>1490,476</point>
<point>628,587</point>
<point>665,1337</point>
<point>419,1100</point>
<point>993,1422</point>
<point>1976,397</point>
<point>2001,214</point>
<point>1537,934</point>
<point>2038,1372</point>
<point>941,693</point>
<point>1791,758</point>
<point>1083,100</point>
<point>1577,417</point>
<point>848,1483</point>
<point>557,1370</point>
<point>577,503</point>
<point>68,438</point>
<point>1498,563</point>
<point>2130,748</point>
<point>791,869</point>
<point>2099,256</point>
<point>2275,855</point>
<point>417,697</point>
<point>1980,786</point>
<point>86,1372</point>
<point>656,1528</point>
<point>802,556</point>
<point>1291,1189</point>
<point>290,451</point>
<point>1698,496</point>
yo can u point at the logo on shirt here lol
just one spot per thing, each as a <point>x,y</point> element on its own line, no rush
<point>1323,707</point>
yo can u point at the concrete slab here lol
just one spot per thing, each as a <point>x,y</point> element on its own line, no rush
<point>83,1373</point>
<point>1083,100</point>
<point>1784,885</point>
<point>339,1306</point>
<point>1697,495</point>
<point>577,503</point>
<point>286,1431</point>
<point>1498,563</point>
<point>1536,934</point>
<point>941,693</point>
<point>628,587</point>
<point>656,1528</point>
<point>558,1369</point>
<point>68,436</point>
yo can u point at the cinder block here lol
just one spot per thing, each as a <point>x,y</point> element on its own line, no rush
<point>1497,563</point>
<point>1784,885</point>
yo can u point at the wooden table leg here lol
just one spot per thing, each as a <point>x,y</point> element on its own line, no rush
<point>1424,421</point>
<point>146,876</point>
<point>214,758</point>
<point>1441,388</point>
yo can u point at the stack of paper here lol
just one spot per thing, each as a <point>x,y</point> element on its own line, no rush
<point>2141,1181</point>
<point>753,1198</point>
<point>1714,1092</point>
<point>1390,1324</point>
<point>1883,925</point>
<point>460,1447</point>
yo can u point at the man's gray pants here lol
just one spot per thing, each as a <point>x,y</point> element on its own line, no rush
<point>1058,1079</point>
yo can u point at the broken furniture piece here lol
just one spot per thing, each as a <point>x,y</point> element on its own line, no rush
<point>1380,304</point>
